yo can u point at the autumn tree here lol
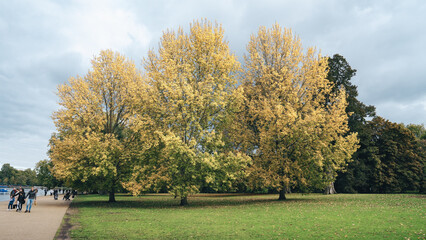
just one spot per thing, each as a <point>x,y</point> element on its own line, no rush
<point>91,148</point>
<point>293,136</point>
<point>188,102</point>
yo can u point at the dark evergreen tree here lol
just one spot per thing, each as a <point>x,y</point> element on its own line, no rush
<point>341,73</point>
<point>389,159</point>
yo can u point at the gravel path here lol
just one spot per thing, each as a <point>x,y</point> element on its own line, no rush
<point>42,223</point>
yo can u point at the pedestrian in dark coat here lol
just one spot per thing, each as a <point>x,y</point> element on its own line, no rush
<point>21,201</point>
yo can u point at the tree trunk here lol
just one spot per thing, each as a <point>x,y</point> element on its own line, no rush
<point>282,195</point>
<point>111,197</point>
<point>112,191</point>
<point>184,201</point>
<point>330,189</point>
<point>112,194</point>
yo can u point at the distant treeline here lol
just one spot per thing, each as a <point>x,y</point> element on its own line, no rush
<point>40,176</point>
<point>391,159</point>
<point>12,176</point>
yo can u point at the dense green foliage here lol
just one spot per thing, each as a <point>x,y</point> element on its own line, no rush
<point>389,159</point>
<point>12,176</point>
<point>398,165</point>
<point>310,216</point>
<point>45,176</point>
<point>418,130</point>
<point>40,176</point>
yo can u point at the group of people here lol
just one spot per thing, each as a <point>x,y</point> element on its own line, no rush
<point>18,196</point>
<point>69,194</point>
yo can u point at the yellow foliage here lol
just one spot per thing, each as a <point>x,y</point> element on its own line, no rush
<point>91,146</point>
<point>186,123</point>
<point>190,99</point>
<point>296,129</point>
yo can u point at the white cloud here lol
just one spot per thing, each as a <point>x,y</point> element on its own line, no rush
<point>411,112</point>
<point>94,26</point>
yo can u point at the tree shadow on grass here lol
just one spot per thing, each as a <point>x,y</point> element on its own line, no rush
<point>197,201</point>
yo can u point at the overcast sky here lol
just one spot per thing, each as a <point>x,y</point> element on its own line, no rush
<point>43,43</point>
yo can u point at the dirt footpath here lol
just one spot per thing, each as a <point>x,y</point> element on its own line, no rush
<point>42,223</point>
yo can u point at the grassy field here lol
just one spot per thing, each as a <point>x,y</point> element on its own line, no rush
<point>311,216</point>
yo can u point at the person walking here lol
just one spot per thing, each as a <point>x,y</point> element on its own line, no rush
<point>55,194</point>
<point>31,195</point>
<point>21,200</point>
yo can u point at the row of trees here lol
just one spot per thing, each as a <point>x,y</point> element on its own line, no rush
<point>390,159</point>
<point>41,176</point>
<point>195,118</point>
<point>12,176</point>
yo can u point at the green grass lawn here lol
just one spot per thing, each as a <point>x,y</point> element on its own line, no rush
<point>312,216</point>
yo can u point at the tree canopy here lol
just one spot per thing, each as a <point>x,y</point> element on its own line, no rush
<point>297,127</point>
<point>398,163</point>
<point>12,176</point>
<point>91,147</point>
<point>418,130</point>
<point>45,176</point>
<point>186,106</point>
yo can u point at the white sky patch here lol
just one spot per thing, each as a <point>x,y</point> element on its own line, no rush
<point>97,26</point>
<point>412,112</point>
<point>20,148</point>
